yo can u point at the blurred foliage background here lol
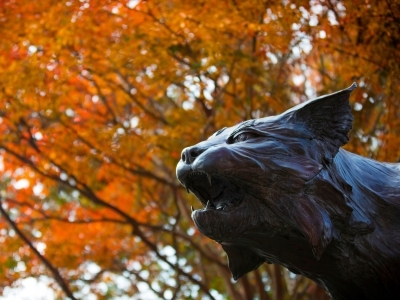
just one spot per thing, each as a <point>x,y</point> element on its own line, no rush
<point>98,98</point>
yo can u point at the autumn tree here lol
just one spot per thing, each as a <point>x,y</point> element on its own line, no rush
<point>98,98</point>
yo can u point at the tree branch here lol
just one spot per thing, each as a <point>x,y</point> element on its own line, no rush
<point>57,276</point>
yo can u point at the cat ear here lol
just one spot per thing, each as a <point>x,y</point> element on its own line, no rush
<point>241,261</point>
<point>328,118</point>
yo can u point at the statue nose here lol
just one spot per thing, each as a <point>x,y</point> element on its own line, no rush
<point>189,154</point>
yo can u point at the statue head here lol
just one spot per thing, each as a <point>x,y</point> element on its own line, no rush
<point>263,171</point>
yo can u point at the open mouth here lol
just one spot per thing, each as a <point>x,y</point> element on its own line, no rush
<point>214,192</point>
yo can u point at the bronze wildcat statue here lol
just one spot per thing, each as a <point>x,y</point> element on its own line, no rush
<point>281,190</point>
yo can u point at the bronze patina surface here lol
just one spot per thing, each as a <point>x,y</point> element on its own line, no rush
<point>281,190</point>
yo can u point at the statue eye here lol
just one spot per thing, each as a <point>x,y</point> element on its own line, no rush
<point>243,137</point>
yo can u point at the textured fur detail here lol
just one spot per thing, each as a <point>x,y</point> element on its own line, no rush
<point>284,192</point>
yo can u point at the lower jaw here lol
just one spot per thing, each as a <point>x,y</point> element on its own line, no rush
<point>218,225</point>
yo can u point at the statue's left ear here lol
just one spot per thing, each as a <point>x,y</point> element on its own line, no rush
<point>328,118</point>
<point>241,261</point>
